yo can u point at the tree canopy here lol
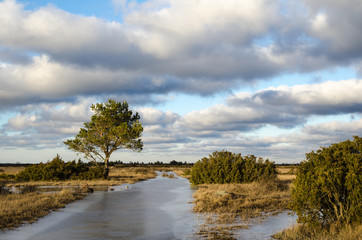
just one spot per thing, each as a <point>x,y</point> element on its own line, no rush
<point>113,126</point>
<point>328,184</point>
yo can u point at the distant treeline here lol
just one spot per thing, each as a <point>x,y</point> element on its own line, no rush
<point>157,163</point>
<point>15,164</point>
<point>111,163</point>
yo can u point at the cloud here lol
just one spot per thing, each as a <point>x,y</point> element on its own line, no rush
<point>152,116</point>
<point>193,135</point>
<point>283,106</point>
<point>330,97</point>
<point>45,125</point>
<point>193,47</point>
<point>339,37</point>
<point>54,64</point>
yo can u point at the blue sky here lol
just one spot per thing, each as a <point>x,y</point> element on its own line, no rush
<point>276,79</point>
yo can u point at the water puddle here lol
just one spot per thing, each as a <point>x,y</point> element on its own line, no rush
<point>263,229</point>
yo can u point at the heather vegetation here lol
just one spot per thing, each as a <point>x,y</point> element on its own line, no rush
<point>232,187</point>
<point>57,169</point>
<point>227,167</point>
<point>328,185</point>
<point>327,194</point>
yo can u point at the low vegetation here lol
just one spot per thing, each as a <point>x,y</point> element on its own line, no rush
<point>57,170</point>
<point>328,185</point>
<point>247,200</point>
<point>327,194</point>
<point>227,167</point>
<point>231,206</point>
<point>231,189</point>
<point>121,174</point>
<point>16,209</point>
<point>333,231</point>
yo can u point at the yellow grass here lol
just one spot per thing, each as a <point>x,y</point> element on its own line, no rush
<point>11,170</point>
<point>304,232</point>
<point>247,199</point>
<point>286,173</point>
<point>182,171</point>
<point>131,174</point>
<point>226,204</point>
<point>286,177</point>
<point>16,209</point>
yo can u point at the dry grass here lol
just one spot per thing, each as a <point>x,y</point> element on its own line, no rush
<point>182,171</point>
<point>303,232</point>
<point>16,209</point>
<point>286,173</point>
<point>169,175</point>
<point>231,206</point>
<point>227,205</point>
<point>247,200</point>
<point>11,170</point>
<point>131,174</point>
<point>286,177</point>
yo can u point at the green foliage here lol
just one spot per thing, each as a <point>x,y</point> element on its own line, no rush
<point>328,185</point>
<point>112,127</point>
<point>228,167</point>
<point>6,176</point>
<point>57,169</point>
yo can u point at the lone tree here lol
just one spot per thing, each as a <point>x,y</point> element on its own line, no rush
<point>113,126</point>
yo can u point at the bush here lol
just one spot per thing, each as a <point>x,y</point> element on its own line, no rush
<point>328,185</point>
<point>228,167</point>
<point>7,176</point>
<point>57,169</point>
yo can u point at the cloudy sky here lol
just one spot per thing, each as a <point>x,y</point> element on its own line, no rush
<point>273,78</point>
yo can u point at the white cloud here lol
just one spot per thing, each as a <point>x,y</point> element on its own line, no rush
<point>180,25</point>
<point>54,64</point>
<point>330,97</point>
<point>152,116</point>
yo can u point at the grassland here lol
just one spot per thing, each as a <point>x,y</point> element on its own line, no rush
<point>335,232</point>
<point>16,209</point>
<point>230,206</point>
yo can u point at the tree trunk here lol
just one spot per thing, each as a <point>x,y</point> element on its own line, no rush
<point>106,168</point>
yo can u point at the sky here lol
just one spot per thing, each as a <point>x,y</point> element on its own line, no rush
<point>276,79</point>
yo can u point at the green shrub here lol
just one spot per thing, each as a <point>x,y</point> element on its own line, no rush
<point>7,176</point>
<point>228,167</point>
<point>57,169</point>
<point>328,185</point>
